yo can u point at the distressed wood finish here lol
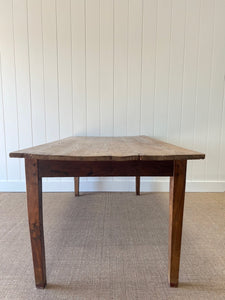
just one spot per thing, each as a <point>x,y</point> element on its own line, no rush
<point>90,156</point>
<point>138,179</point>
<point>76,186</point>
<point>108,148</point>
<point>58,168</point>
<point>176,207</point>
<point>35,216</point>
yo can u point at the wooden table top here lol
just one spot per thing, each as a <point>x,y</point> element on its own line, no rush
<point>107,148</point>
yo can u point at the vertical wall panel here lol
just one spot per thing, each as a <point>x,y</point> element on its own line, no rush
<point>78,23</point>
<point>216,117</point>
<point>22,73</point>
<point>134,66</point>
<point>64,68</point>
<point>203,83</point>
<point>219,43</point>
<point>121,9</point>
<point>162,68</point>
<point>191,54</point>
<point>50,69</point>
<point>176,70</point>
<point>106,67</point>
<point>36,71</point>
<point>3,160</point>
<point>92,66</point>
<point>22,76</point>
<point>221,171</point>
<point>148,66</point>
<point>9,96</point>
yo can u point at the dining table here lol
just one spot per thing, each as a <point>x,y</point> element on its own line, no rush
<point>87,156</point>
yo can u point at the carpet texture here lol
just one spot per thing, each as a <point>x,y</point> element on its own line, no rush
<point>113,246</point>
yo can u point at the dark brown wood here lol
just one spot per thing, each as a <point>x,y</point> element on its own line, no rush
<point>137,185</point>
<point>51,168</point>
<point>35,217</point>
<point>76,185</point>
<point>105,156</point>
<point>177,193</point>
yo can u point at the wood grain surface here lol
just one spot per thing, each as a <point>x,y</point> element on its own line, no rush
<point>138,181</point>
<point>35,216</point>
<point>108,148</point>
<point>76,186</point>
<point>176,208</point>
<point>60,168</point>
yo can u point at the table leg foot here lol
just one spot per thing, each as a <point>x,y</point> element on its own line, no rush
<point>175,285</point>
<point>177,193</point>
<point>41,285</point>
<point>35,217</point>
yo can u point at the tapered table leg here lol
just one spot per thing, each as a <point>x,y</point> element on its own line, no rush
<point>76,185</point>
<point>137,185</point>
<point>35,216</point>
<point>177,193</point>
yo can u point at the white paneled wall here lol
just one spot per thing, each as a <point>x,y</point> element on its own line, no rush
<point>113,67</point>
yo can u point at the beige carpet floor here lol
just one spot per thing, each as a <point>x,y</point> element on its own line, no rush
<point>113,246</point>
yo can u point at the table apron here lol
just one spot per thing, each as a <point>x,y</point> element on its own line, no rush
<point>58,168</point>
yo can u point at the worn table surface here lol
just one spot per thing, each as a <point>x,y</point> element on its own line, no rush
<point>105,156</point>
<point>108,148</point>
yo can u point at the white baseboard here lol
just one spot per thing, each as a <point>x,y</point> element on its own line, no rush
<point>112,185</point>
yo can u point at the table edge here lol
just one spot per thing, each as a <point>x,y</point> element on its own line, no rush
<point>107,158</point>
